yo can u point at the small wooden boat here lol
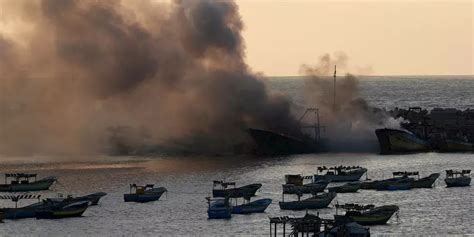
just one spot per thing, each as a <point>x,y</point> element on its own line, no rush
<point>315,202</point>
<point>20,182</point>
<point>456,178</point>
<point>257,206</point>
<point>351,187</point>
<point>93,198</point>
<point>220,189</point>
<point>366,214</point>
<point>219,208</point>
<point>313,187</point>
<point>28,211</point>
<point>143,193</point>
<point>75,209</point>
<point>394,185</point>
<point>425,182</point>
<point>340,173</point>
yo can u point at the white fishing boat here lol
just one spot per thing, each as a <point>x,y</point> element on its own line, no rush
<point>20,182</point>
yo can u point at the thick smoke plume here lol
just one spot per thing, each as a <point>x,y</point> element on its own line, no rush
<point>350,121</point>
<point>73,71</point>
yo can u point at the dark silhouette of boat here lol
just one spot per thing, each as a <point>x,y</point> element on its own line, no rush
<point>280,143</point>
<point>249,207</point>
<point>394,141</point>
<point>351,187</point>
<point>404,183</point>
<point>92,198</point>
<point>425,182</point>
<point>340,173</point>
<point>450,145</point>
<point>20,182</point>
<point>456,178</point>
<point>317,201</point>
<point>366,214</point>
<point>145,193</point>
<point>219,208</point>
<point>220,189</point>
<point>294,184</point>
<point>75,209</point>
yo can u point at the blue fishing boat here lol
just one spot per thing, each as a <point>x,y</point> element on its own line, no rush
<point>144,193</point>
<point>252,207</point>
<point>219,208</point>
<point>294,184</point>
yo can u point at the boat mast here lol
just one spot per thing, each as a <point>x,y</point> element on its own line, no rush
<point>334,99</point>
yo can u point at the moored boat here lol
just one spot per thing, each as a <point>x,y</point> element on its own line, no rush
<point>456,178</point>
<point>93,198</point>
<point>456,146</point>
<point>145,193</point>
<point>425,182</point>
<point>20,182</point>
<point>220,189</point>
<point>351,187</point>
<point>256,206</point>
<point>340,173</point>
<point>219,208</point>
<point>75,209</point>
<point>294,184</point>
<point>404,183</point>
<point>315,202</point>
<point>367,214</point>
<point>394,141</point>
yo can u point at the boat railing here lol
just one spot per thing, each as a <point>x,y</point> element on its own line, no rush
<point>17,198</point>
<point>453,173</point>
<point>406,174</point>
<point>223,184</point>
<point>22,178</point>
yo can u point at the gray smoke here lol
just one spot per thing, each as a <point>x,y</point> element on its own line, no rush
<point>70,69</point>
<point>351,123</point>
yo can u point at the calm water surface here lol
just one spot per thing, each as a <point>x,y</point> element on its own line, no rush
<point>438,210</point>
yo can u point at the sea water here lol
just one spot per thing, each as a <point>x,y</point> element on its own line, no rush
<point>182,211</point>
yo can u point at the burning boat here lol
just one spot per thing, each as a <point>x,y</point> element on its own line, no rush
<point>276,143</point>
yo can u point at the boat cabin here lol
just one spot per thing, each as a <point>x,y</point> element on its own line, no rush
<point>19,178</point>
<point>17,198</point>
<point>406,174</point>
<point>336,170</point>
<point>354,207</point>
<point>457,173</point>
<point>297,179</point>
<point>137,189</point>
<point>222,184</point>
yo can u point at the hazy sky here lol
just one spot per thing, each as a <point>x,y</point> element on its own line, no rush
<point>385,37</point>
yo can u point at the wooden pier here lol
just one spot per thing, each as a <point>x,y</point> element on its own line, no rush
<point>308,225</point>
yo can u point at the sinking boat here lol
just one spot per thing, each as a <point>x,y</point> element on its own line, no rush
<point>425,182</point>
<point>277,143</point>
<point>20,182</point>
<point>294,184</point>
<point>219,208</point>
<point>317,201</point>
<point>220,189</point>
<point>249,207</point>
<point>366,214</point>
<point>456,178</point>
<point>340,173</point>
<point>351,187</point>
<point>143,194</point>
<point>75,209</point>
<point>394,141</point>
